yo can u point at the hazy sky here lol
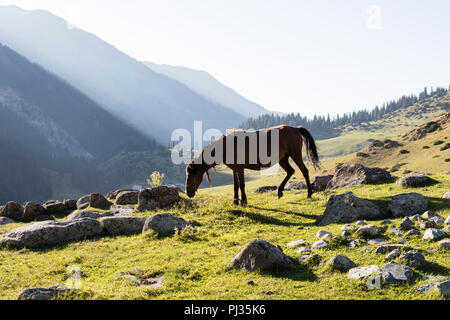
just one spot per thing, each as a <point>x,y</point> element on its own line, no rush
<point>287,55</point>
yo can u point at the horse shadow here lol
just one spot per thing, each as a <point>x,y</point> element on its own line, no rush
<point>263,219</point>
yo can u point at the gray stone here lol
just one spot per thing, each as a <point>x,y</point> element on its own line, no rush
<point>127,197</point>
<point>32,210</point>
<point>395,231</point>
<point>413,232</point>
<point>367,232</point>
<point>393,254</point>
<point>310,258</point>
<point>341,263</point>
<point>438,220</point>
<point>444,244</point>
<point>359,273</point>
<point>434,234</point>
<point>413,258</point>
<point>402,240</point>
<point>94,200</point>
<point>266,189</point>
<point>113,194</point>
<point>354,243</point>
<point>159,197</point>
<point>429,214</point>
<point>447,221</point>
<point>428,224</point>
<point>376,241</point>
<point>394,273</point>
<point>70,204</point>
<point>360,223</point>
<point>406,224</point>
<point>48,233</point>
<point>425,288</point>
<point>303,250</point>
<point>321,244</point>
<point>434,278</point>
<point>262,255</point>
<point>164,224</point>
<point>56,208</point>
<point>356,174</point>
<point>407,204</point>
<point>86,214</point>
<point>446,195</point>
<point>444,288</point>
<point>122,225</point>
<point>320,183</point>
<point>348,227</point>
<point>43,217</point>
<point>42,293</point>
<point>414,179</point>
<point>4,221</point>
<point>297,185</point>
<point>346,234</point>
<point>121,210</point>
<point>296,243</point>
<point>324,234</point>
<point>345,208</point>
<point>388,248</point>
<point>12,210</point>
<point>384,222</point>
<point>366,250</point>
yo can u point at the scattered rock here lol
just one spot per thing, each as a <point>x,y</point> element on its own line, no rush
<point>48,233</point>
<point>303,250</point>
<point>413,258</point>
<point>86,214</point>
<point>444,288</point>
<point>406,224</point>
<point>323,234</point>
<point>367,232</point>
<point>354,243</point>
<point>297,185</point>
<point>438,220</point>
<point>446,195</point>
<point>407,204</point>
<point>360,223</point>
<point>359,273</point>
<point>402,240</point>
<point>113,194</point>
<point>43,217</point>
<point>413,232</point>
<point>366,250</point>
<point>12,210</point>
<point>415,218</point>
<point>127,197</point>
<point>393,254</point>
<point>357,174</point>
<point>376,241</point>
<point>346,234</point>
<point>348,227</point>
<point>56,208</point>
<point>310,258</point>
<point>150,282</point>
<point>447,221</point>
<point>414,179</point>
<point>434,278</point>
<point>341,263</point>
<point>70,204</point>
<point>121,210</point>
<point>384,222</point>
<point>444,244</point>
<point>320,183</point>
<point>394,273</point>
<point>42,293</point>
<point>121,225</point>
<point>94,200</point>
<point>429,214</point>
<point>296,243</point>
<point>321,244</point>
<point>428,224</point>
<point>345,208</point>
<point>4,221</point>
<point>434,234</point>
<point>388,248</point>
<point>396,231</point>
<point>164,224</point>
<point>262,255</point>
<point>160,197</point>
<point>424,288</point>
<point>31,211</point>
<point>266,189</point>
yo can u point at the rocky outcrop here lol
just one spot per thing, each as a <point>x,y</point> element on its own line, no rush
<point>407,204</point>
<point>346,208</point>
<point>159,197</point>
<point>357,174</point>
<point>127,197</point>
<point>164,224</point>
<point>414,179</point>
<point>262,255</point>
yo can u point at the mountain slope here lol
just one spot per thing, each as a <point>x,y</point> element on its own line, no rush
<point>146,100</point>
<point>208,87</point>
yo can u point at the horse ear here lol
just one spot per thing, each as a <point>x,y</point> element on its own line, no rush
<point>208,178</point>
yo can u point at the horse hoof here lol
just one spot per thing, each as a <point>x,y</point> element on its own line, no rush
<point>243,203</point>
<point>236,202</point>
<point>280,195</point>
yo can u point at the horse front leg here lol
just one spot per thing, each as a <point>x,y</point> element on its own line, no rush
<point>236,188</point>
<point>284,163</point>
<point>242,187</point>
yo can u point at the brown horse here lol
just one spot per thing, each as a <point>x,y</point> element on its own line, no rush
<point>288,144</point>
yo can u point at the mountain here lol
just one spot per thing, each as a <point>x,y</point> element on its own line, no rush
<point>47,125</point>
<point>149,101</point>
<point>210,88</point>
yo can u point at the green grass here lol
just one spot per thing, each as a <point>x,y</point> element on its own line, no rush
<point>194,266</point>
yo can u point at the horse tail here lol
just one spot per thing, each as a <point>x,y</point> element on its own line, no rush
<point>311,149</point>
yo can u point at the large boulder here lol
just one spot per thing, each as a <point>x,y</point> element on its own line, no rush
<point>32,211</point>
<point>414,179</point>
<point>367,232</point>
<point>4,221</point>
<point>434,234</point>
<point>42,293</point>
<point>320,183</point>
<point>395,273</point>
<point>346,208</point>
<point>56,208</point>
<point>113,194</point>
<point>94,200</point>
<point>12,210</point>
<point>407,204</point>
<point>159,197</point>
<point>123,225</point>
<point>413,258</point>
<point>127,197</point>
<point>341,263</point>
<point>48,233</point>
<point>357,174</point>
<point>86,214</point>
<point>164,224</point>
<point>359,273</point>
<point>262,255</point>
<point>70,204</point>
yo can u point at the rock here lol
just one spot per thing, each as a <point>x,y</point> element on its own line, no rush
<point>341,263</point>
<point>320,183</point>
<point>346,234</point>
<point>32,210</point>
<point>83,202</point>
<point>48,233</point>
<point>444,288</point>
<point>303,250</point>
<point>446,195</point>
<point>357,174</point>
<point>428,224</point>
<point>354,243</point>
<point>382,229</point>
<point>444,244</point>
<point>94,200</point>
<point>447,228</point>
<point>265,189</point>
<point>414,179</point>
<point>434,234</point>
<point>414,259</point>
<point>113,194</point>
<point>297,185</point>
<point>388,248</point>
<point>429,214</point>
<point>127,197</point>
<point>261,255</point>
<point>70,204</point>
<point>160,197</point>
<point>424,288</point>
<point>415,218</point>
<point>121,210</point>
<point>447,221</point>
<point>394,273</point>
<point>56,208</point>
<point>367,232</point>
<point>359,273</point>
<point>434,278</point>
<point>4,221</point>
<point>296,243</point>
<point>366,250</point>
<point>376,241</point>
<point>402,240</point>
<point>42,293</point>
<point>396,231</point>
<point>324,234</point>
<point>310,258</point>
<point>438,220</point>
<point>393,254</point>
<point>164,224</point>
<point>123,225</point>
<point>151,282</point>
<point>413,232</point>
<point>360,223</point>
<point>407,204</point>
<point>321,244</point>
<point>385,222</point>
<point>406,224</point>
<point>43,217</point>
<point>345,208</point>
<point>50,202</point>
<point>86,214</point>
<point>12,210</point>
<point>348,227</point>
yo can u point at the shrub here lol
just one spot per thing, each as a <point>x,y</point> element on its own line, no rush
<point>156,179</point>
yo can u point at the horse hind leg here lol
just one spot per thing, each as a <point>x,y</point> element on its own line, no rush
<point>299,162</point>
<point>236,188</point>
<point>241,179</point>
<point>284,163</point>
